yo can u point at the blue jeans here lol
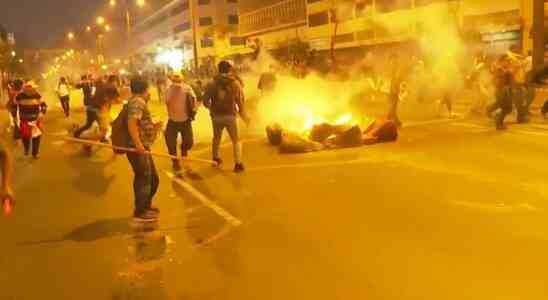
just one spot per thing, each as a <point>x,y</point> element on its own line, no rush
<point>230,123</point>
<point>145,182</point>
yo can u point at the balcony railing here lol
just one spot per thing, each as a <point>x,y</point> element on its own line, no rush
<point>283,14</point>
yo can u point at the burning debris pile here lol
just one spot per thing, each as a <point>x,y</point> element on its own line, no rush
<point>325,136</point>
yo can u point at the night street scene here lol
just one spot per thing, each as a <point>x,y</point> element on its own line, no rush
<point>274,149</point>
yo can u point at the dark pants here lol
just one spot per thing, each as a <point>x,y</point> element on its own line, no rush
<point>171,134</point>
<point>519,100</point>
<point>145,182</point>
<point>65,104</point>
<point>503,106</point>
<point>394,100</point>
<point>91,117</point>
<point>35,145</point>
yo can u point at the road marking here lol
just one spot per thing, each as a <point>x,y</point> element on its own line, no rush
<point>58,143</point>
<point>59,133</point>
<point>496,207</point>
<point>310,165</point>
<point>429,122</point>
<point>206,201</point>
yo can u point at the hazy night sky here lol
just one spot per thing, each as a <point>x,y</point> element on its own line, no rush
<point>44,23</point>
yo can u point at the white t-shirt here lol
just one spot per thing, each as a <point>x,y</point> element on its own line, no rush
<point>63,90</point>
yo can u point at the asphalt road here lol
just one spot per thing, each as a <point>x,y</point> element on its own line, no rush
<point>453,210</point>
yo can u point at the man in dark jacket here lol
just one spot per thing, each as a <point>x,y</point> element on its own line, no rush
<point>224,98</point>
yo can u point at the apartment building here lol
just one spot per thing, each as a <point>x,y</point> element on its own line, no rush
<point>354,23</point>
<point>171,26</point>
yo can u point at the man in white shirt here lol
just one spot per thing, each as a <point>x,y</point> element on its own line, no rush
<point>182,106</point>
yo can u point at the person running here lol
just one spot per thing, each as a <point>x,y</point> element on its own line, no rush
<point>143,133</point>
<point>181,107</point>
<point>224,98</point>
<point>98,109</point>
<point>31,109</point>
<point>63,91</point>
<point>502,73</point>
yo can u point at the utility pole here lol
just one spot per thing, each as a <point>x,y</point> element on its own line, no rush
<point>194,33</point>
<point>537,33</point>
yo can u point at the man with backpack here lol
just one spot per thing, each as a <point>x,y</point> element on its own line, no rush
<point>181,107</point>
<point>142,132</point>
<point>224,98</point>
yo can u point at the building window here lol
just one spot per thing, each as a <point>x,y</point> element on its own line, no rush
<point>237,41</point>
<point>392,5</point>
<point>365,35</point>
<point>181,27</point>
<point>318,19</point>
<point>206,21</point>
<point>233,19</point>
<point>343,14</point>
<point>179,9</point>
<point>204,2</point>
<point>364,8</point>
<point>344,38</point>
<point>207,42</point>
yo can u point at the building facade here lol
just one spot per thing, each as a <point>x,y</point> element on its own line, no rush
<point>215,24</point>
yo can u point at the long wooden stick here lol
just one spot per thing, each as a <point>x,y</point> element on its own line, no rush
<point>99,144</point>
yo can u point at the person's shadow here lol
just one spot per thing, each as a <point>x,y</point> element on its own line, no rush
<point>91,178</point>
<point>94,231</point>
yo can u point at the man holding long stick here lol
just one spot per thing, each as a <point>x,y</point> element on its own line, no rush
<point>143,132</point>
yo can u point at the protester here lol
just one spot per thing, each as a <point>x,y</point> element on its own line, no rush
<point>503,80</point>
<point>396,83</point>
<point>181,107</point>
<point>516,64</point>
<point>31,109</point>
<point>267,81</point>
<point>98,108</point>
<point>63,91</point>
<point>143,132</point>
<point>224,98</point>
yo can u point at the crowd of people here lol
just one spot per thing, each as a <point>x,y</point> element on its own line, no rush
<point>223,96</point>
<point>509,75</point>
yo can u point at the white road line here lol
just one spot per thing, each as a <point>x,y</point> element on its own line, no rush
<point>429,122</point>
<point>206,201</point>
<point>310,165</point>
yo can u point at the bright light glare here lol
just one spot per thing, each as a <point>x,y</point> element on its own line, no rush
<point>108,28</point>
<point>100,20</point>
<point>112,2</point>
<point>70,35</point>
<point>13,53</point>
<point>172,57</point>
<point>140,3</point>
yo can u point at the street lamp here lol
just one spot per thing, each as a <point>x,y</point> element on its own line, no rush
<point>13,53</point>
<point>21,60</point>
<point>100,20</point>
<point>88,28</point>
<point>108,28</point>
<point>126,5</point>
<point>70,35</point>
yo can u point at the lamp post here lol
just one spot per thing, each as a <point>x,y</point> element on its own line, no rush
<point>127,15</point>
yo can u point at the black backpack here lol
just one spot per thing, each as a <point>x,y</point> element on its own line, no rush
<point>120,133</point>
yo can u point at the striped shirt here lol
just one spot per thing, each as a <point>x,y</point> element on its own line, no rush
<point>30,105</point>
<point>138,109</point>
